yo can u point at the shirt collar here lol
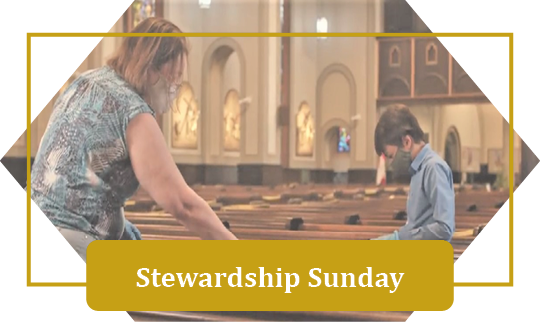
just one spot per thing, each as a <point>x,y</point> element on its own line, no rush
<point>417,162</point>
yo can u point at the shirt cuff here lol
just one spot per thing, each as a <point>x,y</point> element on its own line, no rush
<point>404,234</point>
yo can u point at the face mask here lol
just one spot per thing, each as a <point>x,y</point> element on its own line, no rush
<point>402,162</point>
<point>161,96</point>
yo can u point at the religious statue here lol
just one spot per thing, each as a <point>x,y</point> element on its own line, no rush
<point>231,120</point>
<point>185,120</point>
<point>304,131</point>
<point>470,159</point>
<point>495,160</point>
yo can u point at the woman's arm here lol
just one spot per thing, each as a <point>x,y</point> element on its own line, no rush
<point>158,175</point>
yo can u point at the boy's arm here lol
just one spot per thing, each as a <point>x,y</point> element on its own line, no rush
<point>392,236</point>
<point>439,189</point>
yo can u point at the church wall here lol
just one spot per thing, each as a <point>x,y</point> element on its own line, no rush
<point>492,133</point>
<point>424,115</point>
<point>517,153</point>
<point>251,77</point>
<point>303,76</point>
<point>480,128</point>
<point>335,76</point>
<point>353,54</point>
<point>271,81</point>
<point>464,118</point>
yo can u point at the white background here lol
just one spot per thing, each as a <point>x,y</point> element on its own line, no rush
<point>54,60</point>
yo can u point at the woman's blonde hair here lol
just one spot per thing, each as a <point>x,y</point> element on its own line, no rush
<point>137,55</point>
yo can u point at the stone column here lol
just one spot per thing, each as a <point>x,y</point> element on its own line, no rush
<point>506,153</point>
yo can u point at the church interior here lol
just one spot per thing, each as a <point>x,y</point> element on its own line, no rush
<point>277,134</point>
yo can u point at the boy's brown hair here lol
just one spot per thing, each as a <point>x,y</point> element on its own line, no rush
<point>395,123</point>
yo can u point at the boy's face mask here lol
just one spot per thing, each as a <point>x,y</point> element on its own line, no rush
<point>402,160</point>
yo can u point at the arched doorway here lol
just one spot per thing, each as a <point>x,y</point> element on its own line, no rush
<point>225,86</point>
<point>326,102</point>
<point>337,154</point>
<point>452,149</point>
<point>223,80</point>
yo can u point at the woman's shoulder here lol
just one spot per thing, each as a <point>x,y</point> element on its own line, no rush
<point>105,77</point>
<point>113,86</point>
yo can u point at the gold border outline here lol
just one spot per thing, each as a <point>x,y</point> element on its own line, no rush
<point>510,36</point>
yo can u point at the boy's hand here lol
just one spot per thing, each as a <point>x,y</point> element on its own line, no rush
<point>392,236</point>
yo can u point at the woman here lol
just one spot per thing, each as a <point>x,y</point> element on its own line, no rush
<point>103,141</point>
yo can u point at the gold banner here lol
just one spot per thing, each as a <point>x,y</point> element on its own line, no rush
<point>257,275</point>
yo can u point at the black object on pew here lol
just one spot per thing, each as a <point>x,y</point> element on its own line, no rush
<point>294,201</point>
<point>224,200</point>
<point>472,208</point>
<point>338,194</point>
<point>499,205</point>
<point>157,208</point>
<point>296,223</point>
<point>400,192</point>
<point>312,196</point>
<point>353,220</point>
<point>226,224</point>
<point>400,215</point>
<point>478,230</point>
<point>141,206</point>
<point>215,206</point>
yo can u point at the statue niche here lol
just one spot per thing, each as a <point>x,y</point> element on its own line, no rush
<point>304,131</point>
<point>185,120</point>
<point>231,121</point>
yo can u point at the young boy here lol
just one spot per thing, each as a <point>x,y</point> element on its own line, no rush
<point>430,204</point>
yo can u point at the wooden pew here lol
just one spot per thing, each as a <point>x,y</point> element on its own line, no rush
<point>269,217</point>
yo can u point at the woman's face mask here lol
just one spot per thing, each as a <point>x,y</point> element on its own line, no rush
<point>162,95</point>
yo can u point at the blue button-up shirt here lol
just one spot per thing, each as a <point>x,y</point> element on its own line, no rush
<point>431,201</point>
